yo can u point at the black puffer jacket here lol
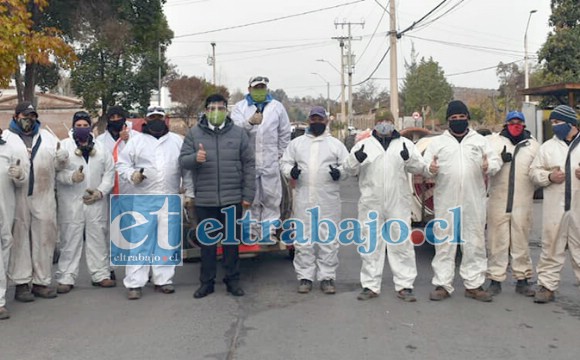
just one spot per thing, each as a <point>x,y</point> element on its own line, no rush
<point>228,175</point>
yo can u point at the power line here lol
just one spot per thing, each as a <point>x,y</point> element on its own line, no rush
<point>482,69</point>
<point>373,34</point>
<point>269,20</point>
<point>262,49</point>
<point>440,16</point>
<point>472,47</point>
<point>376,68</point>
<point>421,19</point>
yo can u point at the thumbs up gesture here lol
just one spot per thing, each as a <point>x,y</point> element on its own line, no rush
<point>360,154</point>
<point>295,172</point>
<point>434,167</point>
<point>61,154</point>
<point>138,176</point>
<point>15,171</point>
<point>485,164</point>
<point>405,152</point>
<point>201,154</point>
<point>124,134</point>
<point>78,175</point>
<point>557,176</point>
<point>506,156</point>
<point>334,173</point>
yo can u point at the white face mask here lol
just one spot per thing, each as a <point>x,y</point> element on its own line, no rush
<point>384,128</point>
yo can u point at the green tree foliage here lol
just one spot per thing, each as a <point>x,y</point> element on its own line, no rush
<point>560,54</point>
<point>190,93</point>
<point>511,79</point>
<point>369,97</point>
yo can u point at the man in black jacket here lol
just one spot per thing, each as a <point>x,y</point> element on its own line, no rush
<point>223,166</point>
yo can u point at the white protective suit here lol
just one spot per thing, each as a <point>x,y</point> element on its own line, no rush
<point>160,159</point>
<point>8,156</point>
<point>561,226</point>
<point>509,210</point>
<point>461,183</point>
<point>316,188</point>
<point>77,219</point>
<point>269,139</point>
<point>35,229</point>
<point>384,185</point>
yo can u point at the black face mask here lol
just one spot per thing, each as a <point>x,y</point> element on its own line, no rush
<point>115,126</point>
<point>458,126</point>
<point>157,128</point>
<point>317,129</point>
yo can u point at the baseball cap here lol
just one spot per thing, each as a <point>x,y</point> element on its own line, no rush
<point>317,111</point>
<point>257,80</point>
<point>515,115</point>
<point>26,108</point>
<point>155,110</point>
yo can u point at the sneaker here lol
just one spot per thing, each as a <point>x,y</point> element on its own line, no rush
<point>234,288</point>
<point>439,294</point>
<point>4,314</point>
<point>64,288</point>
<point>105,283</point>
<point>304,286</point>
<point>203,291</point>
<point>43,291</point>
<point>327,286</point>
<point>23,293</point>
<point>524,288</point>
<point>406,295</point>
<point>165,289</point>
<point>134,294</point>
<point>494,288</point>
<point>367,294</point>
<point>543,295</point>
<point>478,294</point>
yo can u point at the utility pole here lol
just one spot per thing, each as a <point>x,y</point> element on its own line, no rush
<point>393,50</point>
<point>213,62</point>
<point>349,61</point>
<point>159,74</point>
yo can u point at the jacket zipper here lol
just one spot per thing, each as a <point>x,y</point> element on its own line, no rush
<point>217,148</point>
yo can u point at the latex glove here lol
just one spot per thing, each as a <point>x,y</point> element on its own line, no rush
<point>138,177</point>
<point>506,156</point>
<point>405,152</point>
<point>92,196</point>
<point>334,173</point>
<point>434,167</point>
<point>61,154</point>
<point>557,176</point>
<point>78,175</point>
<point>188,202</point>
<point>256,119</point>
<point>360,154</point>
<point>295,172</point>
<point>15,171</point>
<point>201,154</point>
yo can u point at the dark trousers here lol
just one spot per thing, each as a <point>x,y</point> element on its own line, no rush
<point>230,255</point>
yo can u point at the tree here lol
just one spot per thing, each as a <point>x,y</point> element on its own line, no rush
<point>560,54</point>
<point>191,93</point>
<point>424,86</point>
<point>368,97</point>
<point>25,42</point>
<point>511,79</point>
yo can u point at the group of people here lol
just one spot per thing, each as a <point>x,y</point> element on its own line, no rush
<point>237,159</point>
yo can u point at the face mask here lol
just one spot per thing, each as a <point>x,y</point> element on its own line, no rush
<point>561,130</point>
<point>26,124</point>
<point>384,128</point>
<point>458,126</point>
<point>115,126</point>
<point>216,118</point>
<point>156,127</point>
<point>515,130</point>
<point>259,95</point>
<point>82,134</point>
<point>317,129</point>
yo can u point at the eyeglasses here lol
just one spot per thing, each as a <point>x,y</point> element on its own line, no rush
<point>259,78</point>
<point>155,109</point>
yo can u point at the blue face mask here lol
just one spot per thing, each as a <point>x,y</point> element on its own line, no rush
<point>561,130</point>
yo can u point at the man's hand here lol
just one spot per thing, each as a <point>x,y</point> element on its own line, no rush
<point>256,119</point>
<point>15,171</point>
<point>138,177</point>
<point>360,154</point>
<point>246,204</point>
<point>434,167</point>
<point>188,203</point>
<point>577,172</point>
<point>201,154</point>
<point>557,176</point>
<point>295,172</point>
<point>92,196</point>
<point>506,156</point>
<point>124,134</point>
<point>405,152</point>
<point>78,175</point>
<point>61,154</point>
<point>334,173</point>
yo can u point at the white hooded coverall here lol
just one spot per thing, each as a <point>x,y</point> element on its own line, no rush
<point>316,188</point>
<point>115,147</point>
<point>35,228</point>
<point>8,156</point>
<point>561,207</point>
<point>160,159</point>
<point>77,219</point>
<point>269,140</point>
<point>384,186</point>
<point>509,210</point>
<point>461,183</point>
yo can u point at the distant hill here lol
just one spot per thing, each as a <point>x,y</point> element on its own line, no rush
<point>473,96</point>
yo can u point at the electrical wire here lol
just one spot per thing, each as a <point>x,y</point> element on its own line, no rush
<point>372,36</point>
<point>410,27</point>
<point>376,68</point>
<point>482,69</point>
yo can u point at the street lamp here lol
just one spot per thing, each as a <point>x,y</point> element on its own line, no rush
<point>329,63</point>
<point>342,86</point>
<point>327,91</point>
<point>526,69</point>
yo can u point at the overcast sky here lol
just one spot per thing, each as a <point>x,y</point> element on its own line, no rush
<point>473,35</point>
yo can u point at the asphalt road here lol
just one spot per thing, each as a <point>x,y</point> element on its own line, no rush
<point>274,322</point>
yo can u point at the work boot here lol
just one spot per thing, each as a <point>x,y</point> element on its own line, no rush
<point>234,288</point>
<point>105,283</point>
<point>327,287</point>
<point>63,288</point>
<point>165,289</point>
<point>478,294</point>
<point>43,291</point>
<point>203,291</point>
<point>23,293</point>
<point>524,288</point>
<point>112,276</point>
<point>304,286</point>
<point>4,314</point>
<point>134,294</point>
<point>543,295</point>
<point>439,294</point>
<point>406,295</point>
<point>494,288</point>
<point>367,294</point>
